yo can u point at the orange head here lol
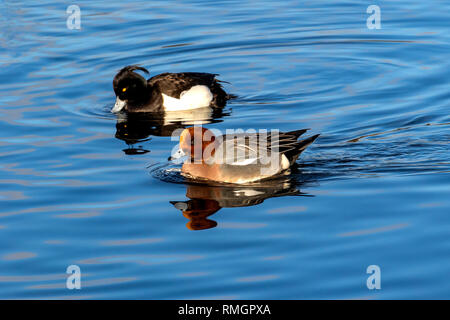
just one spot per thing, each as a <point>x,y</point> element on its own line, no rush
<point>198,142</point>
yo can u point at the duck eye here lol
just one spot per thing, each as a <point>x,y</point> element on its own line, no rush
<point>124,89</point>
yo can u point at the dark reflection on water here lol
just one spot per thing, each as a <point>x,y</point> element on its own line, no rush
<point>206,200</point>
<point>136,128</point>
<point>80,185</point>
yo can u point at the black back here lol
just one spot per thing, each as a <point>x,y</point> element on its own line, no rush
<point>145,95</point>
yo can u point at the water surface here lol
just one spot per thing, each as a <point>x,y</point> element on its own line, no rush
<point>82,186</point>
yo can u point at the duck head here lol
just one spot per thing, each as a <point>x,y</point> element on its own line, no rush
<point>130,88</point>
<point>196,142</point>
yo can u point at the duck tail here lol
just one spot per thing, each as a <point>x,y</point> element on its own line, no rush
<point>303,144</point>
<point>297,133</point>
<point>300,146</point>
<point>231,96</point>
<point>225,96</point>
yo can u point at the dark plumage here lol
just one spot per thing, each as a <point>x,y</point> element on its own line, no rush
<point>291,147</point>
<point>141,95</point>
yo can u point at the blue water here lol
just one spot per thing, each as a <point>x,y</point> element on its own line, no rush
<point>78,187</point>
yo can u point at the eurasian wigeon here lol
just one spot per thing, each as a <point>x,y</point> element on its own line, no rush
<point>238,158</point>
<point>166,91</point>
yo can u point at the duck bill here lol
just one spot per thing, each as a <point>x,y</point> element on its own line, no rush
<point>180,205</point>
<point>177,155</point>
<point>120,104</point>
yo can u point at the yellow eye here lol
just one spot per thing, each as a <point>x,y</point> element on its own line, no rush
<point>124,89</point>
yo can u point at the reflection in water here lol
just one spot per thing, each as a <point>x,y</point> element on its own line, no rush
<point>205,200</point>
<point>137,127</point>
<point>198,211</point>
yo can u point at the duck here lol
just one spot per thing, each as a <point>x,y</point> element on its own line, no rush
<point>238,158</point>
<point>166,91</point>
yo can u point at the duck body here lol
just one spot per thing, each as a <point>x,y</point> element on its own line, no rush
<point>167,91</point>
<point>240,158</point>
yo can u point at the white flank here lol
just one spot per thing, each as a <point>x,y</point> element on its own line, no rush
<point>247,192</point>
<point>244,162</point>
<point>196,97</point>
<point>285,162</point>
